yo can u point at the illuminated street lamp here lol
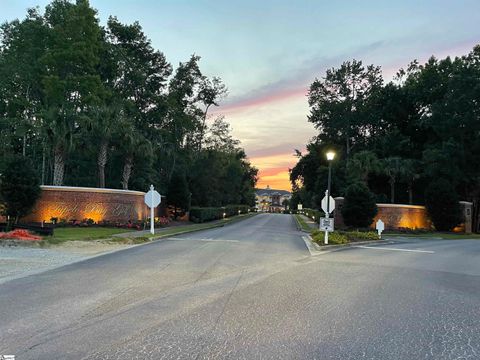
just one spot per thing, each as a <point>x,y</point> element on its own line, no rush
<point>330,157</point>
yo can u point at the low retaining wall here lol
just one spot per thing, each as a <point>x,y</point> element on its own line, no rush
<point>79,203</point>
<point>397,216</point>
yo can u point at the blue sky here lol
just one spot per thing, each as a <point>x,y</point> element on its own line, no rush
<point>268,52</point>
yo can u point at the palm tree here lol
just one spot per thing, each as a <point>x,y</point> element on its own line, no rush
<point>131,143</point>
<point>59,127</point>
<point>409,175</point>
<point>393,168</point>
<point>362,164</point>
<point>102,124</point>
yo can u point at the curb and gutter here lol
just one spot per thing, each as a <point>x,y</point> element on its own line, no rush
<point>316,249</point>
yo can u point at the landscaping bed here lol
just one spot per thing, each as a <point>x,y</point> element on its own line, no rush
<point>343,237</point>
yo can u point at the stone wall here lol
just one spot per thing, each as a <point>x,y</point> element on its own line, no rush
<point>395,216</point>
<point>398,216</point>
<point>78,203</point>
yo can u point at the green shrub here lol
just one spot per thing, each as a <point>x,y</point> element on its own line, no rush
<point>232,210</point>
<point>316,232</point>
<point>334,238</point>
<point>442,205</point>
<point>361,235</point>
<point>343,237</point>
<point>317,236</point>
<point>337,238</point>
<point>200,215</point>
<point>311,213</point>
<point>359,207</point>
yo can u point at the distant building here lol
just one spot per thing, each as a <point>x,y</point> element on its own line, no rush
<point>271,200</point>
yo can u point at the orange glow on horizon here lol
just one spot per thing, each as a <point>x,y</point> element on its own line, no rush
<point>273,170</point>
<point>279,181</point>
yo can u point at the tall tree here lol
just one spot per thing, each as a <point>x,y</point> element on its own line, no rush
<point>22,45</point>
<point>102,124</point>
<point>362,164</point>
<point>337,102</point>
<point>19,187</point>
<point>71,82</point>
<point>393,167</point>
<point>210,93</point>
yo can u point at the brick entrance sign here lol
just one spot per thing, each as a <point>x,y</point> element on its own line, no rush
<point>79,203</point>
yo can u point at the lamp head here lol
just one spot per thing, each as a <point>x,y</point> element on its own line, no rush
<point>330,155</point>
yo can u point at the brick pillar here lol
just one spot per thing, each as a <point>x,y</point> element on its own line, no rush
<point>337,213</point>
<point>467,208</point>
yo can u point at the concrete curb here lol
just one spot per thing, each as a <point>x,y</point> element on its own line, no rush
<point>315,249</point>
<point>297,224</point>
<point>299,227</point>
<point>186,231</point>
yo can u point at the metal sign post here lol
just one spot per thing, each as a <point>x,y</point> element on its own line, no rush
<point>328,205</point>
<point>152,200</point>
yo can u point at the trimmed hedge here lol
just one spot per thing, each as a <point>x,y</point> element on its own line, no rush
<point>232,210</point>
<point>202,214</point>
<point>310,213</point>
<point>344,237</point>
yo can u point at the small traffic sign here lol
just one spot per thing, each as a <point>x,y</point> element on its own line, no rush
<point>324,204</point>
<point>152,198</point>
<point>380,226</point>
<point>299,206</point>
<point>326,224</point>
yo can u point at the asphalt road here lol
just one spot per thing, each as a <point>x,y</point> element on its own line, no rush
<point>251,290</point>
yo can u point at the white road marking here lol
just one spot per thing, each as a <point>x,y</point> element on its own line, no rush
<point>206,240</point>
<point>394,249</point>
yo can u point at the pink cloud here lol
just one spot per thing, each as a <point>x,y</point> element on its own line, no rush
<point>279,95</point>
<point>297,86</point>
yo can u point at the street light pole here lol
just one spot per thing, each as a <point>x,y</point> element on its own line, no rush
<point>329,184</point>
<point>330,156</point>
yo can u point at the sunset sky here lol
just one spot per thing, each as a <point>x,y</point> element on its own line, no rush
<point>268,52</point>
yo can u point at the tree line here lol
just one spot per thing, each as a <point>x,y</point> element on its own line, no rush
<point>409,140</point>
<point>94,105</point>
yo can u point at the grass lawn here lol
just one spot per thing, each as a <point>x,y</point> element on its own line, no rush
<point>303,225</point>
<point>78,233</point>
<point>62,235</point>
<point>432,235</point>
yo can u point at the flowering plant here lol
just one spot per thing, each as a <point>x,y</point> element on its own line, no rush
<point>20,234</point>
<point>163,221</point>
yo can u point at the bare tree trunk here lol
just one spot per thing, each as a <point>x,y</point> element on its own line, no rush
<point>392,191</point>
<point>202,132</point>
<point>127,171</point>
<point>101,162</point>
<point>43,164</point>
<point>58,166</point>
<point>173,166</point>
<point>24,151</point>
<point>410,194</point>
